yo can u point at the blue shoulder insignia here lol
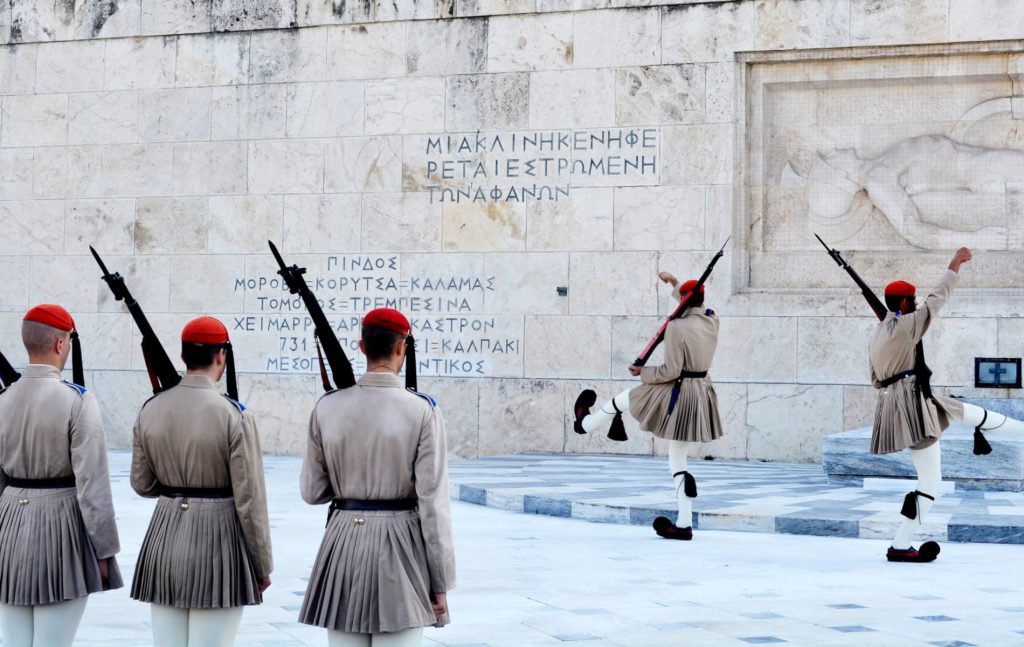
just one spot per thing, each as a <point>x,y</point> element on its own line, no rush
<point>77,387</point>
<point>432,401</point>
<point>709,312</point>
<point>239,405</point>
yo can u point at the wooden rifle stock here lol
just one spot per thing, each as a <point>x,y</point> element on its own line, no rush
<point>341,368</point>
<point>162,373</point>
<point>659,337</point>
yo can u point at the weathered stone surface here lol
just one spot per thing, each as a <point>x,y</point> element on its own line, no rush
<point>106,224</point>
<point>210,168</point>
<point>69,172</point>
<point>175,17</point>
<point>405,105</point>
<point>286,166</point>
<point>660,94</point>
<point>325,109</point>
<point>41,21</point>
<point>120,395</point>
<point>280,405</point>
<point>752,348</point>
<point>400,222</point>
<point>16,173</point>
<point>615,38</point>
<point>363,164</point>
<point>488,102</point>
<point>834,349</point>
<point>720,93</point>
<point>39,120</point>
<point>685,29</point>
<point>244,15</point>
<point>572,99</point>
<point>72,66</point>
<point>984,19</point>
<point>29,227</point>
<point>627,281</point>
<point>459,402</point>
<point>322,224</point>
<point>446,47</point>
<point>859,406</point>
<point>487,227</point>
<point>137,170</point>
<point>108,18</point>
<point>208,59</point>
<point>511,407</point>
<point>791,420</point>
<point>370,51</point>
<point>524,43</point>
<point>698,154</point>
<point>556,225</point>
<point>650,218</point>
<point>493,7</point>
<point>18,69</point>
<point>788,24</point>
<point>244,224</point>
<point>13,286</point>
<point>249,112</point>
<point>171,225</point>
<point>103,117</point>
<point>175,115</point>
<point>547,339</point>
<point>139,63</point>
<point>732,410</point>
<point>526,284</point>
<point>913,21</point>
<point>59,280</point>
<point>289,55</point>
<point>217,272</point>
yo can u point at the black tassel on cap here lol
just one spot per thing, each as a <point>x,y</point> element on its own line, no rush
<point>77,370</point>
<point>232,382</point>
<point>410,363</point>
<point>617,430</point>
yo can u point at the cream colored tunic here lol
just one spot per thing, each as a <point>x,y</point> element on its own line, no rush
<point>50,429</point>
<point>191,436</point>
<point>690,343</point>
<point>374,441</point>
<point>903,417</point>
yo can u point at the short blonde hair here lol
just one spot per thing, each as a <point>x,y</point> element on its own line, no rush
<point>38,337</point>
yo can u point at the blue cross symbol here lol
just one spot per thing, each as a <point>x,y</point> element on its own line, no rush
<point>996,370</point>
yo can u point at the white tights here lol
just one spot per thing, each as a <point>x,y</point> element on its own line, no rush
<point>973,415</point>
<point>174,627</point>
<point>677,450</point>
<point>408,638</point>
<point>602,418</point>
<point>928,463</point>
<point>46,625</point>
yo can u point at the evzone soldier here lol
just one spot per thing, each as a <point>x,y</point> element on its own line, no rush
<point>378,453</point>
<point>676,401</point>
<point>909,416</point>
<point>207,553</point>
<point>58,538</point>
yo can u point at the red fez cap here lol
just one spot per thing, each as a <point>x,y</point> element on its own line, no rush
<point>900,289</point>
<point>52,315</point>
<point>687,286</point>
<point>388,319</point>
<point>204,330</point>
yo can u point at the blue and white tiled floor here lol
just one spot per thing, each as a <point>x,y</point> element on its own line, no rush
<point>527,580</point>
<point>733,495</point>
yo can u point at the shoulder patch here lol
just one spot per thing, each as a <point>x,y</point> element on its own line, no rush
<point>78,387</point>
<point>238,405</point>
<point>432,401</point>
<point>709,312</point>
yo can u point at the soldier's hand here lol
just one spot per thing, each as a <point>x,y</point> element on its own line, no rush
<point>264,583</point>
<point>635,370</point>
<point>104,565</point>
<point>667,278</point>
<point>439,601</point>
<point>962,256</point>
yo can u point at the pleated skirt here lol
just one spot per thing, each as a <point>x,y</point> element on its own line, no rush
<point>194,556</point>
<point>46,555</point>
<point>370,574</point>
<point>905,419</point>
<point>694,419</point>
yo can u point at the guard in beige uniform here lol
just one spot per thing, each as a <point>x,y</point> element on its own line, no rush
<point>207,551</point>
<point>676,401</point>
<point>378,453</point>
<point>57,533</point>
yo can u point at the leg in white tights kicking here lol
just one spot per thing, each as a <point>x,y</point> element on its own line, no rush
<point>52,625</point>
<point>602,418</point>
<point>990,420</point>
<point>928,464</point>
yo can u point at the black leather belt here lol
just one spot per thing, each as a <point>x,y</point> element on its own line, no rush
<point>896,378</point>
<point>683,374</point>
<point>41,484</point>
<point>195,492</point>
<point>374,504</point>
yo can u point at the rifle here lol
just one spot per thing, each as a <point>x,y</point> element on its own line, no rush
<point>645,354</point>
<point>8,375</point>
<point>341,369</point>
<point>162,373</point>
<point>872,299</point>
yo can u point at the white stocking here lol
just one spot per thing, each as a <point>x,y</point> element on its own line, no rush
<point>195,627</point>
<point>677,450</point>
<point>928,463</point>
<point>973,416</point>
<point>408,638</point>
<point>602,418</point>
<point>45,625</point>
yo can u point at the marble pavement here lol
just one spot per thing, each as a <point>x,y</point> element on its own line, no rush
<point>533,580</point>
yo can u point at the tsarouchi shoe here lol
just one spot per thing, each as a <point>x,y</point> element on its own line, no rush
<point>665,528</point>
<point>928,551</point>
<point>581,409</point>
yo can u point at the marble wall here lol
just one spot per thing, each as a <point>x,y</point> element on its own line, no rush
<point>513,174</point>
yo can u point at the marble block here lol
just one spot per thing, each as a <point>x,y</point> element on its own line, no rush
<point>139,63</point>
<point>846,460</point>
<point>522,43</point>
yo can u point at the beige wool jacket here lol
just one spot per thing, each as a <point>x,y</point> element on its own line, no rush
<point>376,440</point>
<point>192,436</point>
<point>50,429</point>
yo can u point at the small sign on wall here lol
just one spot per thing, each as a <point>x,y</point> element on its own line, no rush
<point>997,372</point>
